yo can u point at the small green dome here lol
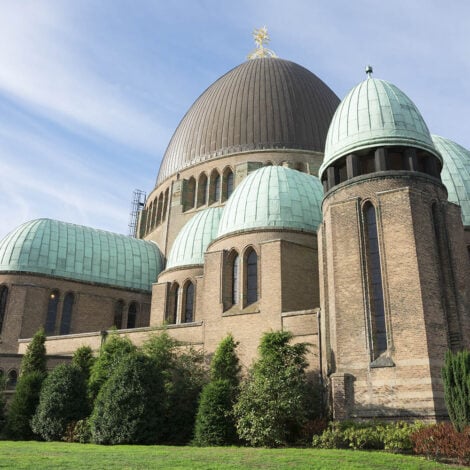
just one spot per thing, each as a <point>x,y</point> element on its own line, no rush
<point>375,113</point>
<point>274,197</point>
<point>80,253</point>
<point>456,173</point>
<point>193,239</point>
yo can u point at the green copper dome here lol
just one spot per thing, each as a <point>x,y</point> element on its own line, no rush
<point>191,243</point>
<point>456,173</point>
<point>80,253</point>
<point>375,113</point>
<point>274,197</point>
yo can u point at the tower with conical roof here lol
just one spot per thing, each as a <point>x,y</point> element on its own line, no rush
<point>391,269</point>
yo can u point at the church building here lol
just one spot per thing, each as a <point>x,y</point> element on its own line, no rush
<point>277,206</point>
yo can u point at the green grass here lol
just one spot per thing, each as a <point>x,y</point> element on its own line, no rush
<point>49,455</point>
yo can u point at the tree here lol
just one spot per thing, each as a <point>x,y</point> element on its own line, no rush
<point>128,409</point>
<point>35,359</point>
<point>456,378</point>
<point>215,424</point>
<point>28,388</point>
<point>225,364</point>
<point>112,352</point>
<point>63,400</point>
<point>84,360</point>
<point>272,407</point>
<point>23,406</point>
<point>3,383</point>
<point>183,375</point>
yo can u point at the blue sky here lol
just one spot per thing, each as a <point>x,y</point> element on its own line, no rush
<point>91,91</point>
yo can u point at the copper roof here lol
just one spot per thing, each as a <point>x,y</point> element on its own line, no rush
<point>265,103</point>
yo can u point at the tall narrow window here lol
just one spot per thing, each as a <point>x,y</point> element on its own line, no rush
<point>172,305</point>
<point>118,311</point>
<point>217,185</point>
<point>190,200</point>
<point>159,209</point>
<point>51,312</point>
<point>12,379</point>
<point>66,314</point>
<point>202,190</point>
<point>227,186</point>
<point>165,204</point>
<point>235,279</point>
<point>3,304</point>
<point>251,277</point>
<point>378,325</point>
<point>189,303</point>
<point>132,315</point>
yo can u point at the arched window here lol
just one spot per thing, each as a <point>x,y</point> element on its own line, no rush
<point>227,184</point>
<point>159,209</point>
<point>190,199</point>
<point>189,302</point>
<point>172,304</point>
<point>132,315</point>
<point>235,279</point>
<point>51,316</point>
<point>251,277</point>
<point>12,379</point>
<point>215,187</point>
<point>3,304</point>
<point>202,190</point>
<point>118,311</point>
<point>67,314</point>
<point>376,296</point>
<point>165,204</point>
<point>153,222</point>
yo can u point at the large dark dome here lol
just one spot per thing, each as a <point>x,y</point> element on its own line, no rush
<point>264,103</point>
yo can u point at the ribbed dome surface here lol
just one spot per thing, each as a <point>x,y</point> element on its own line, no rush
<point>80,253</point>
<point>456,173</point>
<point>274,197</point>
<point>193,239</point>
<point>261,104</point>
<point>375,113</point>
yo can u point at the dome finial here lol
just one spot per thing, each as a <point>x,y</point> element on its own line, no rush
<point>261,38</point>
<point>369,71</point>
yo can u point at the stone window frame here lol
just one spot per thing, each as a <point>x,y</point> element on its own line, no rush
<point>51,316</point>
<point>4,294</point>
<point>202,189</point>
<point>172,305</point>
<point>186,285</point>
<point>132,316</point>
<point>12,373</point>
<point>66,316</point>
<point>377,359</point>
<point>226,191</point>
<point>118,316</point>
<point>246,253</point>
<point>215,186</point>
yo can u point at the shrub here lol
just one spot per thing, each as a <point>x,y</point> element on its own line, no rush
<point>63,400</point>
<point>456,378</point>
<point>271,410</point>
<point>78,431</point>
<point>392,437</point>
<point>34,359</point>
<point>215,423</point>
<point>128,409</point>
<point>84,360</point>
<point>2,402</point>
<point>184,376</point>
<point>23,406</point>
<point>112,352</point>
<point>225,364</point>
<point>443,441</point>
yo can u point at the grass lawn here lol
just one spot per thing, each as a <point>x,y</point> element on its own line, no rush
<point>47,455</point>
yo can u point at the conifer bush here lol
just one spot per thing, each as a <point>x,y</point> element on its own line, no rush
<point>129,406</point>
<point>456,378</point>
<point>23,407</point>
<point>112,352</point>
<point>183,377</point>
<point>84,360</point>
<point>28,388</point>
<point>215,423</point>
<point>63,400</point>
